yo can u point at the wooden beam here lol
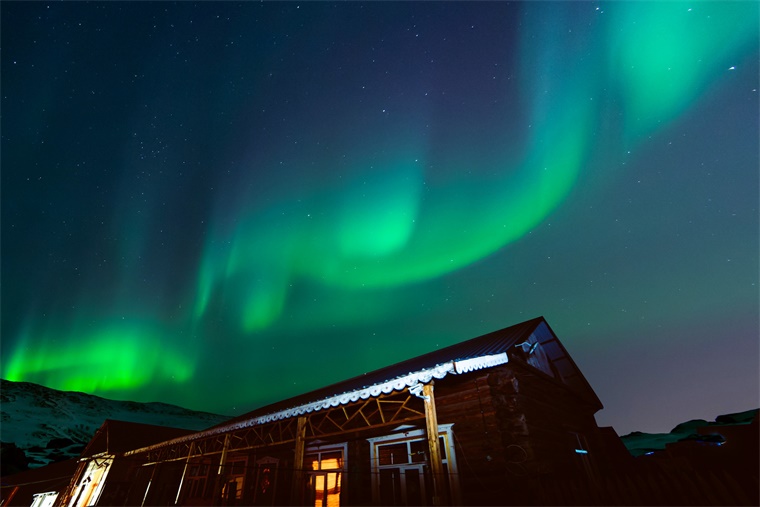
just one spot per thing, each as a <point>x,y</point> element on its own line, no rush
<point>150,481</point>
<point>220,475</point>
<point>68,493</point>
<point>223,458</point>
<point>184,472</point>
<point>436,463</point>
<point>298,471</point>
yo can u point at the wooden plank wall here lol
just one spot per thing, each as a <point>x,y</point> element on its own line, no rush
<point>513,425</point>
<point>466,401</point>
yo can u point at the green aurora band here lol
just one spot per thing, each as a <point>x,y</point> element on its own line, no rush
<point>389,224</point>
<point>394,231</point>
<point>119,356</point>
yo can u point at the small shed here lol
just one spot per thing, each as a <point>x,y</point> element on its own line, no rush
<point>101,474</point>
<point>38,487</point>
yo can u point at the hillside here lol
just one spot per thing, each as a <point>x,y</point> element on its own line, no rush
<point>50,425</point>
<point>639,443</point>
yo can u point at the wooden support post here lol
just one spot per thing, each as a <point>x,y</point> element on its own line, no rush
<point>184,472</point>
<point>11,495</point>
<point>298,471</point>
<point>223,458</point>
<point>218,485</point>
<point>147,488</point>
<point>436,464</point>
<point>68,493</point>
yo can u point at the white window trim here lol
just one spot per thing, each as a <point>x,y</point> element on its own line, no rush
<point>328,448</point>
<point>44,499</point>
<point>444,430</point>
<point>343,447</point>
<point>93,469</point>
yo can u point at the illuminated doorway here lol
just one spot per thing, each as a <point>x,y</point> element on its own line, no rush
<point>325,466</point>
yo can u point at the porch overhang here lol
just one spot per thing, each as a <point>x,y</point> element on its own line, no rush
<point>412,381</point>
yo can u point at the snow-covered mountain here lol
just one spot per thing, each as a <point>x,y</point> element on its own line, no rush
<point>50,425</point>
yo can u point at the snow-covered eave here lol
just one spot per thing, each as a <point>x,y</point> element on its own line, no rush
<point>411,380</point>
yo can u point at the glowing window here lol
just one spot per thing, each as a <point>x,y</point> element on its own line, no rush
<point>89,489</point>
<point>44,499</point>
<point>325,467</point>
<point>233,487</point>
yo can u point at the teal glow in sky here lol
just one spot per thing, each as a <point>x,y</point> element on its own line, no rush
<point>222,205</point>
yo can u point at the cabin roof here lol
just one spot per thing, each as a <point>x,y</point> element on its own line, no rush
<point>116,436</point>
<point>487,345</point>
<point>484,351</point>
<point>51,477</point>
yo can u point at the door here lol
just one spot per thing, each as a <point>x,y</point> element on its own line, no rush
<point>404,485</point>
<point>324,489</point>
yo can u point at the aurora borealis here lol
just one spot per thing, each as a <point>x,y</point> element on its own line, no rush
<point>221,205</point>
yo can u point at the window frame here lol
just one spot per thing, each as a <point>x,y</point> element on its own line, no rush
<point>325,448</point>
<point>238,476</point>
<point>406,434</point>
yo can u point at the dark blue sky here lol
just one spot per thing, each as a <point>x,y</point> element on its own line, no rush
<point>221,205</point>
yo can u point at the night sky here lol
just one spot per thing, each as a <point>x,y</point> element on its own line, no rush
<point>222,205</point>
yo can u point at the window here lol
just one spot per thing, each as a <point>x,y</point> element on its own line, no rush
<point>88,490</point>
<point>44,499</point>
<point>265,482</point>
<point>401,469</point>
<point>197,479</point>
<point>234,478</point>
<point>532,352</point>
<point>325,466</point>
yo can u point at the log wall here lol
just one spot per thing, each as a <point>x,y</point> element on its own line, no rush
<point>514,425</point>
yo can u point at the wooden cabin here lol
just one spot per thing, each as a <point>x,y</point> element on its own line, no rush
<point>37,487</point>
<point>101,475</point>
<point>479,422</point>
<point>503,419</point>
<point>485,421</point>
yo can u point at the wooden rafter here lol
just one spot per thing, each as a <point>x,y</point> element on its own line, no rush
<point>379,411</point>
